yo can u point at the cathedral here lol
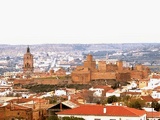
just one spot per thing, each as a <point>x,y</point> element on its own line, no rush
<point>28,62</point>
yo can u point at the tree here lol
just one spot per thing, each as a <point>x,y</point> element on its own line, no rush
<point>155,105</point>
<point>72,118</point>
<point>112,99</point>
<point>136,103</point>
<point>125,99</point>
<point>103,100</point>
<point>116,85</point>
<point>88,95</point>
<point>52,100</point>
<point>53,118</point>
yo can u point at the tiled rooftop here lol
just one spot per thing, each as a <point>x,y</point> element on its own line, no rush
<point>98,110</point>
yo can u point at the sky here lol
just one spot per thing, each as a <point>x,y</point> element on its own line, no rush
<point>79,21</point>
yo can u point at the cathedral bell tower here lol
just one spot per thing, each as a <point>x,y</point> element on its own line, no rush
<point>28,62</point>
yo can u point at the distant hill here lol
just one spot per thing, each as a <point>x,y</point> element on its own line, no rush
<point>21,49</point>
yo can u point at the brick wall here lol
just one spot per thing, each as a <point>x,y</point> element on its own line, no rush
<point>103,75</point>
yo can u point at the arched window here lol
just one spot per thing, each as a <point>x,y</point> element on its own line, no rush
<point>27,65</point>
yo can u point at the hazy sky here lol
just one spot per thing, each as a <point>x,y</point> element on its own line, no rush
<point>79,21</point>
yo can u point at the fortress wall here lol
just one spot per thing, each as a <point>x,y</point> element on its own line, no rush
<point>136,74</point>
<point>81,77</point>
<point>36,81</point>
<point>47,81</point>
<point>123,76</point>
<point>145,73</point>
<point>139,67</point>
<point>120,65</point>
<point>103,75</point>
<point>102,66</point>
<point>23,81</point>
<point>111,67</point>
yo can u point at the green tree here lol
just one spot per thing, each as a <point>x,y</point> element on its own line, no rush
<point>136,103</point>
<point>116,85</point>
<point>52,100</point>
<point>72,118</point>
<point>52,118</point>
<point>155,105</point>
<point>112,99</point>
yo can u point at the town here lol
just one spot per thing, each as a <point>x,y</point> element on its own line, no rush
<point>80,82</point>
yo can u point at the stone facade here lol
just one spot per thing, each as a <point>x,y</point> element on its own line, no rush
<point>89,71</point>
<point>28,62</point>
<point>12,112</point>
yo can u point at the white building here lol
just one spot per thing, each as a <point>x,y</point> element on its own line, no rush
<point>60,92</point>
<point>132,85</point>
<point>156,94</point>
<point>99,112</point>
<point>5,88</point>
<point>153,83</point>
<point>113,93</point>
<point>97,91</point>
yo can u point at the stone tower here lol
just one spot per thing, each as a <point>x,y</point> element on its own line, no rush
<point>90,63</point>
<point>28,62</point>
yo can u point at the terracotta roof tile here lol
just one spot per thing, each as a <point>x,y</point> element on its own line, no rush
<point>17,107</point>
<point>157,88</point>
<point>156,76</point>
<point>132,93</point>
<point>103,87</point>
<point>98,110</point>
<point>110,91</point>
<point>153,114</point>
<point>147,98</point>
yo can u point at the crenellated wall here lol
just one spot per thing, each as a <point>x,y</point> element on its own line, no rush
<point>88,72</point>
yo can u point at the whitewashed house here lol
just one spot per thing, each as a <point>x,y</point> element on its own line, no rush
<point>5,88</point>
<point>100,90</point>
<point>156,94</point>
<point>113,93</point>
<point>132,85</point>
<point>97,91</point>
<point>60,92</point>
<point>153,83</point>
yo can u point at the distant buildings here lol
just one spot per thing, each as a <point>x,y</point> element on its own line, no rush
<point>50,68</point>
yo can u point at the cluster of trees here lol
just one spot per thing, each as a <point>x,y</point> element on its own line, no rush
<point>155,105</point>
<point>38,88</point>
<point>126,100</point>
<point>136,103</point>
<point>133,102</point>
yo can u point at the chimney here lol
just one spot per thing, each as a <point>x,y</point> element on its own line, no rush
<point>69,97</point>
<point>60,106</point>
<point>104,110</point>
<point>11,105</point>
